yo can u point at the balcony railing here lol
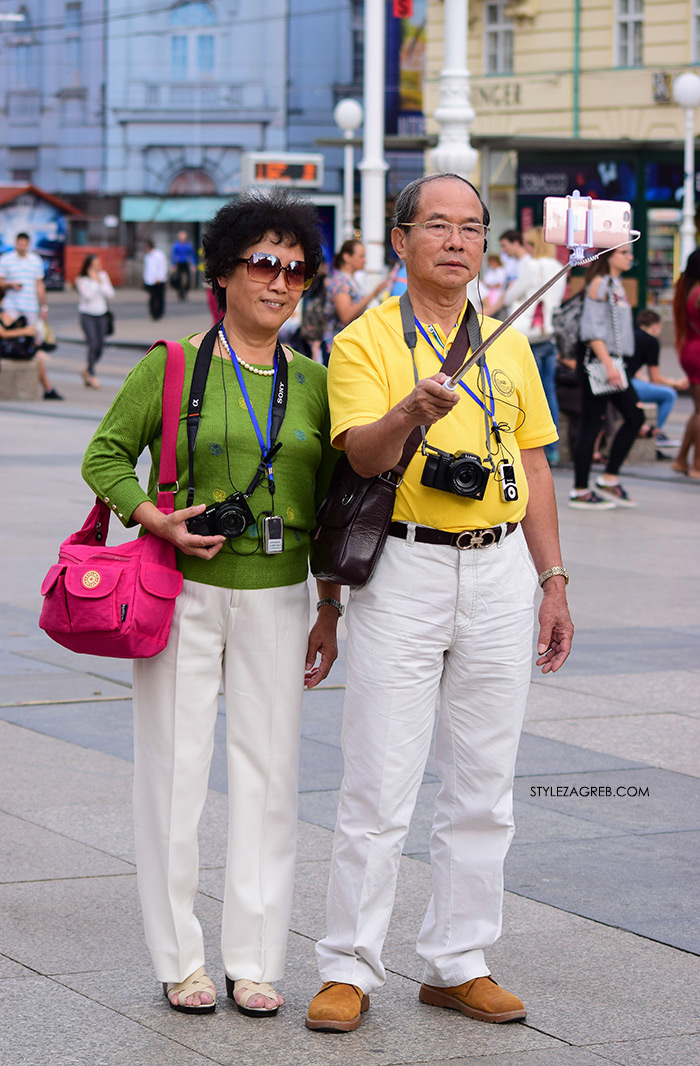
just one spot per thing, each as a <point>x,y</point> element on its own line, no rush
<point>186,96</point>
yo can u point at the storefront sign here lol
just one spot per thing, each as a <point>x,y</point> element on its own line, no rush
<point>496,94</point>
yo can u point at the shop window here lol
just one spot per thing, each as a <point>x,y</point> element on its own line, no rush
<point>192,43</point>
<point>696,31</point>
<point>629,24</point>
<point>498,33</point>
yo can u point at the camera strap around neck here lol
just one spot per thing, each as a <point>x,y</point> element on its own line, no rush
<point>278,407</point>
<point>468,336</point>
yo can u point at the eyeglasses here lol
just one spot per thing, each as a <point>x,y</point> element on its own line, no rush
<point>470,231</point>
<point>264,268</point>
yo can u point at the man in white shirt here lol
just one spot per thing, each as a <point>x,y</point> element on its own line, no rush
<point>155,275</point>
<point>22,281</point>
<point>22,276</point>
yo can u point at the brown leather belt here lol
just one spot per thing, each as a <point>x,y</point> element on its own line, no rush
<point>466,539</point>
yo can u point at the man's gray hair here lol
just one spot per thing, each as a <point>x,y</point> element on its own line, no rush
<point>406,206</point>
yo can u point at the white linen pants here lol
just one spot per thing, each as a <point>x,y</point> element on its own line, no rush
<point>256,640</point>
<point>434,624</point>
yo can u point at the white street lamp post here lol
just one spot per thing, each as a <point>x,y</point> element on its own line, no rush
<point>373,166</point>
<point>686,93</point>
<point>348,117</point>
<point>454,112</point>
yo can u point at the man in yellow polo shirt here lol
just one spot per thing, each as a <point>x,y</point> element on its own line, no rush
<point>446,620</point>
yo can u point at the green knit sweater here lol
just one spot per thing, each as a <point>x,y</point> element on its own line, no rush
<point>226,457</point>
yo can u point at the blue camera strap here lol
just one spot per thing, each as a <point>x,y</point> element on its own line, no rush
<point>269,445</point>
<point>275,414</point>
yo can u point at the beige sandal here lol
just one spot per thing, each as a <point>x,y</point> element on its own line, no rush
<point>241,991</point>
<point>196,983</point>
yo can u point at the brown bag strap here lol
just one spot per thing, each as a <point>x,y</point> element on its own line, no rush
<point>468,331</point>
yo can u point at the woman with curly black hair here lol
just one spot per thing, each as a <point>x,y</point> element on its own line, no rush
<point>263,451</point>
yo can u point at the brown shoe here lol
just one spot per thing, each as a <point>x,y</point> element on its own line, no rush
<point>481,998</point>
<point>337,1008</point>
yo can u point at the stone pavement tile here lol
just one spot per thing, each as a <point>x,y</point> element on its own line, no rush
<point>83,924</point>
<point>670,741</point>
<point>55,686</point>
<point>322,710</point>
<point>589,984</point>
<point>536,824</point>
<point>662,691</point>
<point>537,754</point>
<point>40,772</point>
<point>395,1030</point>
<point>10,968</point>
<point>44,1021</point>
<point>558,1054</point>
<point>36,647</point>
<point>31,853</point>
<point>319,808</point>
<point>320,766</point>
<point>313,843</point>
<point>631,649</point>
<point>572,698</point>
<point>670,1051</point>
<point>100,725</point>
<point>632,882</point>
<point>672,803</point>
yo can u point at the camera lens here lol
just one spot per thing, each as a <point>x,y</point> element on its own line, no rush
<point>466,477</point>
<point>232,521</point>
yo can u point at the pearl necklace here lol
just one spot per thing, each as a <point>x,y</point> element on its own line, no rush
<point>246,366</point>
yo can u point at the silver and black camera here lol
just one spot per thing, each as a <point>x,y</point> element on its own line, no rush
<point>462,473</point>
<point>230,518</point>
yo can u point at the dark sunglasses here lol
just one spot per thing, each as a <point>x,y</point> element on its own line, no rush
<point>265,268</point>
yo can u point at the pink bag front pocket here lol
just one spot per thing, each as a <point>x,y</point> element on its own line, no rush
<point>92,597</point>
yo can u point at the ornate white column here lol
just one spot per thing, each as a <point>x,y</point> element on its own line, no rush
<point>454,112</point>
<point>373,166</point>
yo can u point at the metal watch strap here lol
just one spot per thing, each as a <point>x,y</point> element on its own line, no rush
<point>553,571</point>
<point>330,602</point>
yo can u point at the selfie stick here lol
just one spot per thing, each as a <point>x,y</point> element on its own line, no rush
<point>577,258</point>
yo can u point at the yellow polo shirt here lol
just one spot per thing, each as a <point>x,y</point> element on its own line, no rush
<point>371,370</point>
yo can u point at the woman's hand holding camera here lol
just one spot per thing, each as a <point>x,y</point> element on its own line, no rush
<point>173,527</point>
<point>429,401</point>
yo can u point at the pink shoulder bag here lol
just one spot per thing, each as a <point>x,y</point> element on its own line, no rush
<point>119,601</point>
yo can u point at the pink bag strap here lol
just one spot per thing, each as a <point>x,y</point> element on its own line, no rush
<point>172,402</point>
<point>96,525</point>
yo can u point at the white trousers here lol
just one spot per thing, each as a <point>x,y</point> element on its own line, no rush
<point>434,626</point>
<point>256,640</point>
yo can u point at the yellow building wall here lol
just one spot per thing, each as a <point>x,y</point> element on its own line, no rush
<point>537,99</point>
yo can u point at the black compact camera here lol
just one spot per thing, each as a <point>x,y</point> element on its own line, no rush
<point>462,473</point>
<point>230,518</point>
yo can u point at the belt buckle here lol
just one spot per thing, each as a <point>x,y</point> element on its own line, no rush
<point>478,538</point>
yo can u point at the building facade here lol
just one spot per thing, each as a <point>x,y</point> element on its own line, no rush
<point>121,106</point>
<point>579,95</point>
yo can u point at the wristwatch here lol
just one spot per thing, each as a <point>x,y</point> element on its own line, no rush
<point>554,571</point>
<point>331,603</point>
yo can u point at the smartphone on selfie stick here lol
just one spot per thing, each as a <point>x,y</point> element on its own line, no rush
<point>581,223</point>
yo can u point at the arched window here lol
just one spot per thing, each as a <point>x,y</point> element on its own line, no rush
<point>192,49</point>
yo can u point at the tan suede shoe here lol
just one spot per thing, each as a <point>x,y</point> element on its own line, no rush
<point>337,1008</point>
<point>481,998</point>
